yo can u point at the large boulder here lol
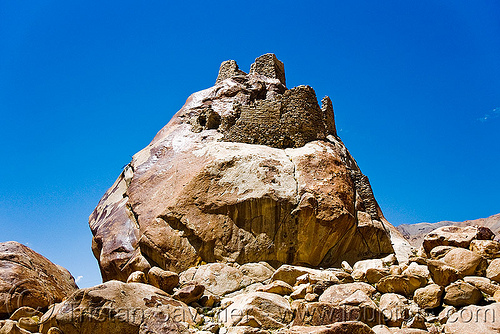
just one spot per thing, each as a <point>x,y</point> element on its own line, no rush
<point>467,263</point>
<point>246,171</point>
<point>474,319</point>
<point>119,308</point>
<point>347,327</point>
<point>338,293</point>
<point>461,293</point>
<point>29,279</point>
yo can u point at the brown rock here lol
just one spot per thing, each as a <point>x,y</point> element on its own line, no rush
<point>474,319</point>
<point>418,322</point>
<point>489,249</point>
<point>290,274</point>
<point>493,270</point>
<point>466,262</point>
<point>139,277</point>
<point>54,330</point>
<point>25,311</point>
<point>439,252</point>
<point>441,273</point>
<point>337,293</point>
<point>278,287</point>
<point>311,297</point>
<point>462,294</point>
<point>190,292</point>
<point>29,279</point>
<point>246,171</point>
<point>373,275</point>
<point>395,308</point>
<point>268,309</point>
<point>429,296</point>
<point>257,272</point>
<point>28,323</point>
<point>400,284</point>
<point>445,314</point>
<point>348,327</point>
<point>118,308</point>
<point>163,279</point>
<point>299,291</point>
<point>482,283</point>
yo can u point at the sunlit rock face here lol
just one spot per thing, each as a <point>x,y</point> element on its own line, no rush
<point>245,171</point>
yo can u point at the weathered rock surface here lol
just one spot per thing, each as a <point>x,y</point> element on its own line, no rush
<point>337,293</point>
<point>348,327</point>
<point>400,284</point>
<point>429,296</point>
<point>466,262</point>
<point>257,309</point>
<point>29,279</point>
<point>119,308</point>
<point>246,171</point>
<point>455,236</point>
<point>461,293</point>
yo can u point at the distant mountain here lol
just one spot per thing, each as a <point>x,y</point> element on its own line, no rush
<point>415,232</point>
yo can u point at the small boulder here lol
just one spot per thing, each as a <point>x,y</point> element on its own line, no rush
<point>441,273</point>
<point>467,263</point>
<point>493,270</point>
<point>190,292</point>
<point>418,270</point>
<point>299,291</point>
<point>489,249</point>
<point>395,309</point>
<point>373,275</point>
<point>400,284</point>
<point>278,287</point>
<point>138,277</point>
<point>482,283</point>
<point>461,293</point>
<point>163,279</point>
<point>257,272</point>
<point>429,296</point>
<point>268,309</point>
<point>337,293</point>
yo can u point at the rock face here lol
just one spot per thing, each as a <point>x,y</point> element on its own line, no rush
<point>29,279</point>
<point>246,171</point>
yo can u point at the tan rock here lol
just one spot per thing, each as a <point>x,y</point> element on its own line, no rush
<point>299,291</point>
<point>311,297</point>
<point>461,294</point>
<point>140,277</point>
<point>364,265</point>
<point>217,278</point>
<point>395,309</point>
<point>348,327</point>
<point>163,279</point>
<point>118,308</point>
<point>418,270</point>
<point>418,322</point>
<point>189,292</point>
<point>318,313</point>
<point>11,327</point>
<point>245,330</point>
<point>496,296</point>
<point>466,262</point>
<point>474,319</point>
<point>337,293</point>
<point>359,275</point>
<point>489,249</point>
<point>395,270</point>
<point>400,284</point>
<point>346,266</point>
<point>54,330</point>
<point>29,279</point>
<point>278,287</point>
<point>429,296</point>
<point>373,275</point>
<point>290,274</point>
<point>482,283</point>
<point>28,323</point>
<point>245,171</point>
<point>441,273</point>
<point>439,252</point>
<point>257,272</point>
<point>493,270</point>
<point>455,236</point>
<point>268,309</point>
<point>25,311</point>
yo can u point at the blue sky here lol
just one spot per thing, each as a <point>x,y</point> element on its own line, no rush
<point>86,84</point>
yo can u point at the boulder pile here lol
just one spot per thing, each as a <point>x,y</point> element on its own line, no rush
<point>450,285</point>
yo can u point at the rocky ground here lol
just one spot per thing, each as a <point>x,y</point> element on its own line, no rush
<point>450,285</point>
